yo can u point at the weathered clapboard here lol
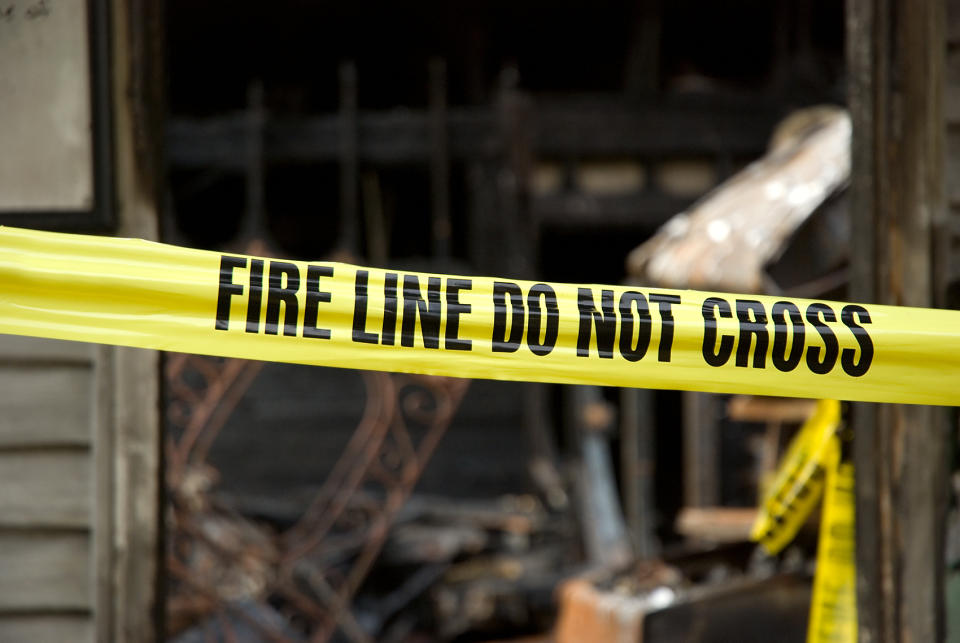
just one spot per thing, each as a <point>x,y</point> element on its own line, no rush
<point>48,489</point>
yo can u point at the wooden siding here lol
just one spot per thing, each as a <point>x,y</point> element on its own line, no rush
<point>45,571</point>
<point>47,489</point>
<point>36,629</point>
<point>46,404</point>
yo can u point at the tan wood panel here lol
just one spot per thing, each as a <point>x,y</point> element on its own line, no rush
<point>46,628</point>
<point>45,405</point>
<point>44,571</point>
<point>16,347</point>
<point>48,142</point>
<point>953,22</point>
<point>951,103</point>
<point>952,68</point>
<point>952,170</point>
<point>46,488</point>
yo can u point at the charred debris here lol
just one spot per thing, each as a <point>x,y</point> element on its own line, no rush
<point>317,504</point>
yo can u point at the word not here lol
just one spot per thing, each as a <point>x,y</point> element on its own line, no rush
<point>634,311</point>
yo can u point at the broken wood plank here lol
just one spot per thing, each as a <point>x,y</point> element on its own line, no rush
<point>716,524</point>
<point>755,408</point>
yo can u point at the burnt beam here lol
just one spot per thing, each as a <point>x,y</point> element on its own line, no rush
<point>597,127</point>
<point>895,55</point>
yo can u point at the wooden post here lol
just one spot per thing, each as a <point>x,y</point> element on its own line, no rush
<point>349,159</point>
<point>253,225</point>
<point>605,535</point>
<point>701,450</point>
<point>637,459</point>
<point>895,53</point>
<point>129,524</point>
<point>442,228</point>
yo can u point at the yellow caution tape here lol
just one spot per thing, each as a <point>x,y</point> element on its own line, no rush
<point>151,295</point>
<point>812,467</point>
<point>799,480</point>
<point>833,608</point>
